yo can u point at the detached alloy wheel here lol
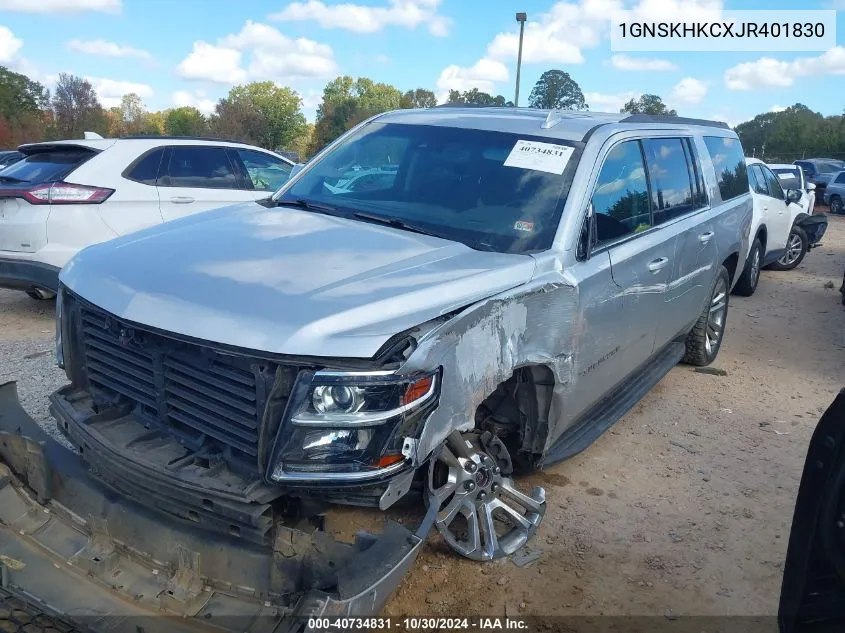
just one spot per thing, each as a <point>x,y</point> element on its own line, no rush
<point>796,248</point>
<point>480,512</point>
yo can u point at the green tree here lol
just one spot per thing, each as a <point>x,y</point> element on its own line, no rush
<point>419,98</point>
<point>76,108</point>
<point>647,104</point>
<point>280,109</point>
<point>477,97</point>
<point>793,133</point>
<point>346,102</point>
<point>557,90</point>
<point>23,106</point>
<point>185,121</point>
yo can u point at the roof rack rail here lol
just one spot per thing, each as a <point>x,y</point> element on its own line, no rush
<point>470,105</point>
<point>153,137</point>
<point>666,118</point>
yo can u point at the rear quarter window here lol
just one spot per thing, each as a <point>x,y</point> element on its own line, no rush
<point>145,168</point>
<point>729,164</point>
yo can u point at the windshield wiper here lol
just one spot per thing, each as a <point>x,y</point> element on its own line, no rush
<point>301,203</point>
<point>395,223</point>
<point>11,179</point>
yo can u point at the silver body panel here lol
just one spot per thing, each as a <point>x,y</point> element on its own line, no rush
<point>284,281</point>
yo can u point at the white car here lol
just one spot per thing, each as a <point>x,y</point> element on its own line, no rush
<point>775,212</point>
<point>792,177</point>
<point>66,195</point>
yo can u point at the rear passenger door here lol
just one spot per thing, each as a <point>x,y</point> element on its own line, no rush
<point>773,206</point>
<point>197,178</point>
<point>681,210</point>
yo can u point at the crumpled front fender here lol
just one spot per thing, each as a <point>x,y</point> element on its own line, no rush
<point>83,550</point>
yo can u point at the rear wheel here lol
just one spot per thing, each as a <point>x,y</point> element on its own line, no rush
<point>747,282</point>
<point>705,338</point>
<point>836,205</point>
<point>796,248</point>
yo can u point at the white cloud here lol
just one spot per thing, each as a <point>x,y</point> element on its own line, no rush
<point>272,56</point>
<point>482,75</point>
<point>196,99</point>
<point>382,59</point>
<point>107,49</point>
<point>61,6</point>
<point>600,102</point>
<point>560,35</point>
<point>9,45</point>
<point>212,63</point>
<point>768,72</point>
<point>110,91</point>
<point>368,19</point>
<point>688,91</point>
<point>623,62</point>
<point>777,108</point>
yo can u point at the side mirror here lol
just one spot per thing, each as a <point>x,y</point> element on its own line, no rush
<point>811,186</point>
<point>793,195</point>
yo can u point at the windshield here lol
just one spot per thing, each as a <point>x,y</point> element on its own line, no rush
<point>789,177</point>
<point>829,167</point>
<point>48,166</point>
<point>489,190</point>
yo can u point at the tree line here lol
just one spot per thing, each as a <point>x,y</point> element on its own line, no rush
<point>270,116</point>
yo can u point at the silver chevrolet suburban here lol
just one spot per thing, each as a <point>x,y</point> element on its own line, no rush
<point>439,299</point>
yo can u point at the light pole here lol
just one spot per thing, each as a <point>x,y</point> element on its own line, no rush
<point>520,17</point>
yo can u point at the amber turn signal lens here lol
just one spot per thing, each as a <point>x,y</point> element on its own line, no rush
<point>417,390</point>
<point>388,460</point>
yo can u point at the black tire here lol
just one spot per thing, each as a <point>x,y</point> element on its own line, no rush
<point>836,206</point>
<point>40,295</point>
<point>796,247</point>
<point>705,338</point>
<point>747,282</point>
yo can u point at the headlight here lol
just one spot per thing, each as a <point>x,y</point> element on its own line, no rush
<point>351,425</point>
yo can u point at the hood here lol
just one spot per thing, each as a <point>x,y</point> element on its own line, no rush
<point>286,281</point>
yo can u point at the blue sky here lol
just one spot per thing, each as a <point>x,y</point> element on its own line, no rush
<point>180,52</point>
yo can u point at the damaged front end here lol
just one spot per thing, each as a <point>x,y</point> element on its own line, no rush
<point>81,548</point>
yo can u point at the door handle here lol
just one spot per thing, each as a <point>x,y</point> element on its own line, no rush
<point>706,237</point>
<point>658,264</point>
<point>181,199</point>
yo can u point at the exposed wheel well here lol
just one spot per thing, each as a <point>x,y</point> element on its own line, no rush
<point>730,263</point>
<point>518,413</point>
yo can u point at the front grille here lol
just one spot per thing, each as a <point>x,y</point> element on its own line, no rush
<point>212,402</point>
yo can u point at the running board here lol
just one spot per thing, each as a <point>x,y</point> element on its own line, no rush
<point>610,409</point>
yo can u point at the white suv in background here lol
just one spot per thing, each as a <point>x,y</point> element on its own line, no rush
<point>66,195</point>
<point>775,212</point>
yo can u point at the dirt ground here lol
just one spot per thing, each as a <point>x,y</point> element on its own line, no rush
<point>682,508</point>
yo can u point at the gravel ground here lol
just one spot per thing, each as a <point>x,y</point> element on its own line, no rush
<point>683,508</point>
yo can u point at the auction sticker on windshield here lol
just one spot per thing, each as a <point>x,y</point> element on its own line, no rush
<point>539,156</point>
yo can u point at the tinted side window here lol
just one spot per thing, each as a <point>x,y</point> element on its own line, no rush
<point>620,200</point>
<point>775,190</point>
<point>757,181</point>
<point>841,177</point>
<point>671,181</point>
<point>205,167</point>
<point>264,172</point>
<point>146,169</point>
<point>729,163</point>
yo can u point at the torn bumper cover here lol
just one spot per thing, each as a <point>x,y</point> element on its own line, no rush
<point>81,549</point>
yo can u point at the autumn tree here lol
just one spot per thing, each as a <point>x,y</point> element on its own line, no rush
<point>418,98</point>
<point>76,107</point>
<point>647,104</point>
<point>185,121</point>
<point>557,90</point>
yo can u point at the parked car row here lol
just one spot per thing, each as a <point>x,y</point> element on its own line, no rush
<point>438,300</point>
<point>63,196</point>
<point>828,176</point>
